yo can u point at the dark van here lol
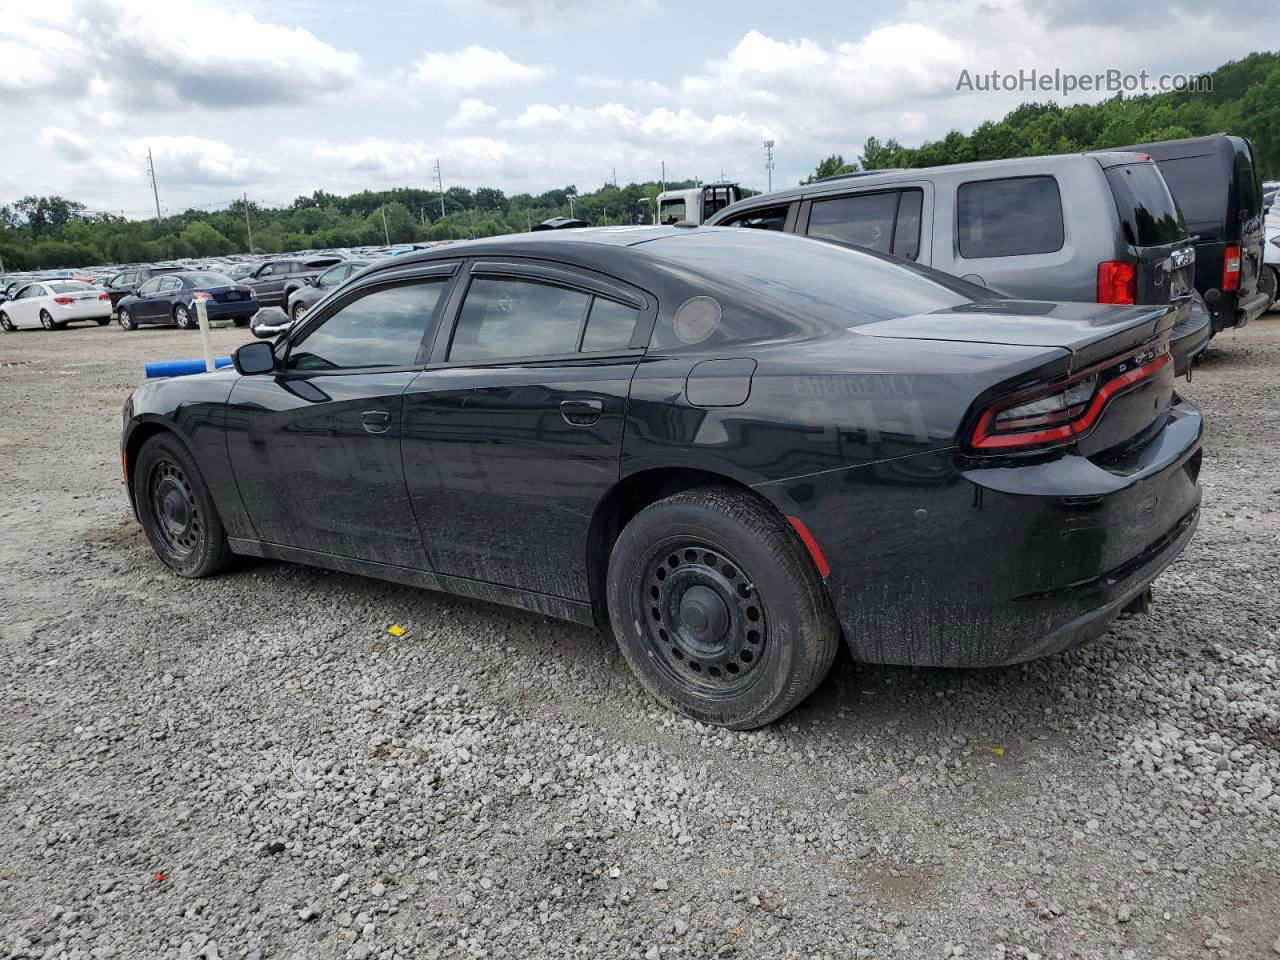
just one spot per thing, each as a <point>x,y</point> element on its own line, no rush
<point>1215,182</point>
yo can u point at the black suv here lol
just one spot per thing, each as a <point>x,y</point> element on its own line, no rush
<point>1216,184</point>
<point>123,284</point>
<point>274,280</point>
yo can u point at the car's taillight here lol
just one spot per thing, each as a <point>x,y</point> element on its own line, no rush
<point>1231,268</point>
<point>104,296</point>
<point>1062,411</point>
<point>1117,282</point>
<point>63,300</point>
<point>202,295</point>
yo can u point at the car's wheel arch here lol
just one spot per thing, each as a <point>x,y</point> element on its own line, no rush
<point>639,489</point>
<point>144,428</point>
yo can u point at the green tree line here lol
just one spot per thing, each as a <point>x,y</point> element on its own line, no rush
<point>47,232</point>
<point>1244,100</point>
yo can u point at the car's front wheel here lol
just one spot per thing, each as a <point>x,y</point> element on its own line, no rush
<point>1269,282</point>
<point>177,511</point>
<point>6,324</point>
<point>718,608</point>
<point>125,319</point>
<point>299,311</point>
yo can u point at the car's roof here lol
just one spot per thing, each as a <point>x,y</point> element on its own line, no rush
<point>542,243</point>
<point>870,178</point>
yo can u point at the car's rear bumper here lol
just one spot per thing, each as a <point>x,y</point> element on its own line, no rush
<point>938,561</point>
<point>89,310</point>
<point>232,308</point>
<point>1190,336</point>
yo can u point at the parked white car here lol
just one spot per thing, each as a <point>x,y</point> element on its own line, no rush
<point>53,304</point>
<point>1270,277</point>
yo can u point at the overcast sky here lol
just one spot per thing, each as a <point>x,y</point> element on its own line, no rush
<point>278,97</point>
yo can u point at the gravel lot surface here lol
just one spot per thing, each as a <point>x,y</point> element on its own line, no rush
<point>250,766</point>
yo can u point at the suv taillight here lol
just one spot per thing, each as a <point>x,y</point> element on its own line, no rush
<point>1117,282</point>
<point>1060,412</point>
<point>1231,268</point>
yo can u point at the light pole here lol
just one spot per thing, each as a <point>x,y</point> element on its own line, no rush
<point>768,162</point>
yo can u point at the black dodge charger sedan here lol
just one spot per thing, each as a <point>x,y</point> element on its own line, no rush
<point>731,448</point>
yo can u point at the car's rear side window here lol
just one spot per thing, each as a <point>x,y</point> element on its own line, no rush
<point>884,221</point>
<point>609,325</point>
<point>1010,217</point>
<point>504,318</point>
<point>383,328</point>
<point>1147,211</point>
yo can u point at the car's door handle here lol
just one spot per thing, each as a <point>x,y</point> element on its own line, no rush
<point>581,413</point>
<point>376,421</point>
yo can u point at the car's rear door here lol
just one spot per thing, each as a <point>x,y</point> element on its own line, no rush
<point>513,435</point>
<point>315,445</point>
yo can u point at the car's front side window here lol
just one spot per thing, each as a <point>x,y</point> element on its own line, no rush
<point>517,318</point>
<point>383,328</point>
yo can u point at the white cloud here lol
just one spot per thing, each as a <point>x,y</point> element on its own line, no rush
<point>470,112</point>
<point>159,56</point>
<point>472,69</point>
<point>556,14</point>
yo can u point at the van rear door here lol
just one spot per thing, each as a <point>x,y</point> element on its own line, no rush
<point>1155,229</point>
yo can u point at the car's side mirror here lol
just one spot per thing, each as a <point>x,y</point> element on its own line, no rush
<point>270,322</point>
<point>253,358</point>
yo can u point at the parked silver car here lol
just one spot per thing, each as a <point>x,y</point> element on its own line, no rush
<point>1097,227</point>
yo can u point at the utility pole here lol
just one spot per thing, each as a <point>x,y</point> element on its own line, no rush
<point>151,169</point>
<point>440,186</point>
<point>528,219</point>
<point>247,225</point>
<point>386,231</point>
<point>615,178</point>
<point>570,206</point>
<point>768,162</point>
<point>664,176</point>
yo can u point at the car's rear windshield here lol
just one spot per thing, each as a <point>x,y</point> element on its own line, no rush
<point>777,276</point>
<point>1146,208</point>
<point>1199,185</point>
<point>70,286</point>
<point>209,279</point>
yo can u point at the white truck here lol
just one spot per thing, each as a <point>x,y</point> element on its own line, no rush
<point>692,205</point>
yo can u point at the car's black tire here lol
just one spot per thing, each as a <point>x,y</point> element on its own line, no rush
<point>103,321</point>
<point>125,319</point>
<point>241,321</point>
<point>1269,282</point>
<point>6,324</point>
<point>719,609</point>
<point>182,317</point>
<point>177,510</point>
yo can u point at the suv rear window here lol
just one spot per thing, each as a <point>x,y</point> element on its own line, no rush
<point>1011,217</point>
<point>1146,208</point>
<point>1199,185</point>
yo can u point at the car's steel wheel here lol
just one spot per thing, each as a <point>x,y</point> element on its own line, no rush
<point>125,319</point>
<point>46,320</point>
<point>178,525</point>
<point>707,623</point>
<point>6,324</point>
<point>182,317</point>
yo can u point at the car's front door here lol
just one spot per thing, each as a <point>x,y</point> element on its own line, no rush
<point>143,306</point>
<point>514,434</point>
<point>24,309</point>
<point>315,445</point>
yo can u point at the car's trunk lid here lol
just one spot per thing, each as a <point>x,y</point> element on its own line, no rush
<point>1091,332</point>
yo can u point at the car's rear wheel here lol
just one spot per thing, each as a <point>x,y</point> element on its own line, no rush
<point>125,319</point>
<point>241,321</point>
<point>177,511</point>
<point>1269,282</point>
<point>718,608</point>
<point>103,321</point>
<point>46,320</point>
<point>182,317</point>
<point>6,324</point>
